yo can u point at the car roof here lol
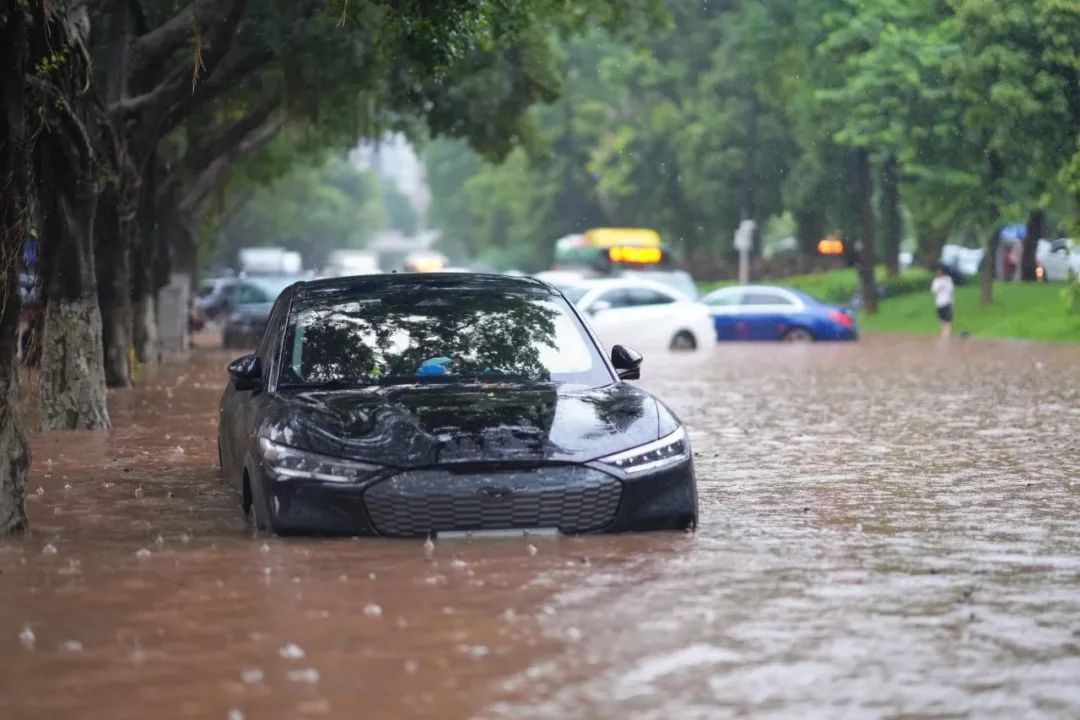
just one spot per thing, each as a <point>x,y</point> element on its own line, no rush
<point>385,283</point>
<point>765,288</point>
<point>601,283</point>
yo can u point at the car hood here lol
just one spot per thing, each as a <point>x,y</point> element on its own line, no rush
<point>419,426</point>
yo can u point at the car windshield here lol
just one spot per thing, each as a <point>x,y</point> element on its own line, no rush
<point>442,336</point>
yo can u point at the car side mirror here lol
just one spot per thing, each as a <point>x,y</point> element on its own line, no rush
<point>627,362</point>
<point>599,306</point>
<point>246,372</point>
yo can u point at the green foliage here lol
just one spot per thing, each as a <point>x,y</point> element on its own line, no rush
<point>313,209</point>
<point>1031,311</point>
<point>752,107</point>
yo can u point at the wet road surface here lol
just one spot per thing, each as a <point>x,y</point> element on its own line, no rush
<point>889,528</point>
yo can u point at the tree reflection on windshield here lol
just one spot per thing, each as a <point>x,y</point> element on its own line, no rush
<point>439,336</point>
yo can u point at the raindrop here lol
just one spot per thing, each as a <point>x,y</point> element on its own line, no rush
<point>57,510</point>
<point>291,651</point>
<point>372,610</point>
<point>71,646</point>
<point>411,666</point>
<point>235,714</point>
<point>49,549</point>
<point>458,563</point>
<point>27,638</point>
<point>138,492</point>
<point>159,541</point>
<point>307,675</point>
<point>67,486</point>
<point>142,553</point>
<point>429,549</point>
<point>510,614</point>
<point>252,675</point>
<point>343,578</point>
<point>573,634</point>
<point>532,549</point>
<point>109,485</point>
<point>371,576</point>
<point>185,538</point>
<point>40,491</point>
<point>265,548</point>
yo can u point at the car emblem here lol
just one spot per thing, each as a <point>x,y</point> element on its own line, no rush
<point>492,491</point>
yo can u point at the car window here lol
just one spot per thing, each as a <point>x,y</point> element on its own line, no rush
<point>764,297</point>
<point>574,294</point>
<point>249,294</point>
<point>724,298</point>
<point>617,298</point>
<point>648,296</point>
<point>440,336</point>
<point>206,289</point>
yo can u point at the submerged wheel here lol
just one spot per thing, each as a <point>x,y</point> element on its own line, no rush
<point>254,505</point>
<point>798,334</point>
<point>683,341</point>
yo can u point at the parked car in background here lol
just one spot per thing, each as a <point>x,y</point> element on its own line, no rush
<point>1054,261</point>
<point>215,296</point>
<point>765,312</point>
<point>965,260</point>
<point>642,313</point>
<point>250,304</point>
<point>676,279</point>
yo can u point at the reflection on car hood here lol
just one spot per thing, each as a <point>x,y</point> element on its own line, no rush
<point>418,426</point>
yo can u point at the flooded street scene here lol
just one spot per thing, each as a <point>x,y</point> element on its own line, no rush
<point>539,360</point>
<point>902,544</point>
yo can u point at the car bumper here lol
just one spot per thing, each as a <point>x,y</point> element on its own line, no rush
<point>575,499</point>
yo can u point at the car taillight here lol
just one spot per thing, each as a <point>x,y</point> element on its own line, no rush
<point>840,318</point>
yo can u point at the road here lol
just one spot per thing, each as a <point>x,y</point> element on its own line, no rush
<point>888,528</point>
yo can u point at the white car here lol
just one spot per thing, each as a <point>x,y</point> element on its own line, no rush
<point>1053,258</point>
<point>642,314</point>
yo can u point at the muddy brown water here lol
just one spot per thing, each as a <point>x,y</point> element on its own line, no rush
<point>889,528</point>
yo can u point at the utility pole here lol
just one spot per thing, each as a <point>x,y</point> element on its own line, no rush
<point>744,240</point>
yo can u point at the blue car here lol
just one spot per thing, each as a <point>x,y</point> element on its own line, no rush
<point>763,312</point>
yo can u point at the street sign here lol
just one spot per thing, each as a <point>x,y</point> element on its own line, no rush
<point>744,236</point>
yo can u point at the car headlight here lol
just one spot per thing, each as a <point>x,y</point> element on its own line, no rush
<point>288,463</point>
<point>669,450</point>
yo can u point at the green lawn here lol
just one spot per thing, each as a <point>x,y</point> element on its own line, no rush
<point>1020,310</point>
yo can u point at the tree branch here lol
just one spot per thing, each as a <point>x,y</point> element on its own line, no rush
<point>213,175</point>
<point>162,41</point>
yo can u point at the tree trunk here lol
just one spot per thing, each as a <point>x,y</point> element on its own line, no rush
<point>995,170</point>
<point>1036,228</point>
<point>114,288</point>
<point>145,280</point>
<point>810,228</point>
<point>72,377</point>
<point>867,254</point>
<point>891,223</point>
<point>15,179</point>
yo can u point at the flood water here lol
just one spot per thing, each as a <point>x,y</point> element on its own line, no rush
<point>888,528</point>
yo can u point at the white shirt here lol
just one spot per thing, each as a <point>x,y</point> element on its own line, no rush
<point>942,287</point>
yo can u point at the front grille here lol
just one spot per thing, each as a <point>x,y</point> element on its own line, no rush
<point>417,503</point>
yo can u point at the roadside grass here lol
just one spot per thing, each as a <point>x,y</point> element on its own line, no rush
<point>1031,311</point>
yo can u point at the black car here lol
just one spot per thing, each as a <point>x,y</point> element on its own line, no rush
<point>411,405</point>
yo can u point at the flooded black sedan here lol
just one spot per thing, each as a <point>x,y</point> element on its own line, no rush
<point>418,405</point>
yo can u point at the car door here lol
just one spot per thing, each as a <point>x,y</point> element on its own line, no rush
<point>652,316</point>
<point>611,316</point>
<point>767,314</point>
<point>240,408</point>
<point>723,305</point>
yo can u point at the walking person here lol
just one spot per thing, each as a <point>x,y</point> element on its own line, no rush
<point>942,287</point>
